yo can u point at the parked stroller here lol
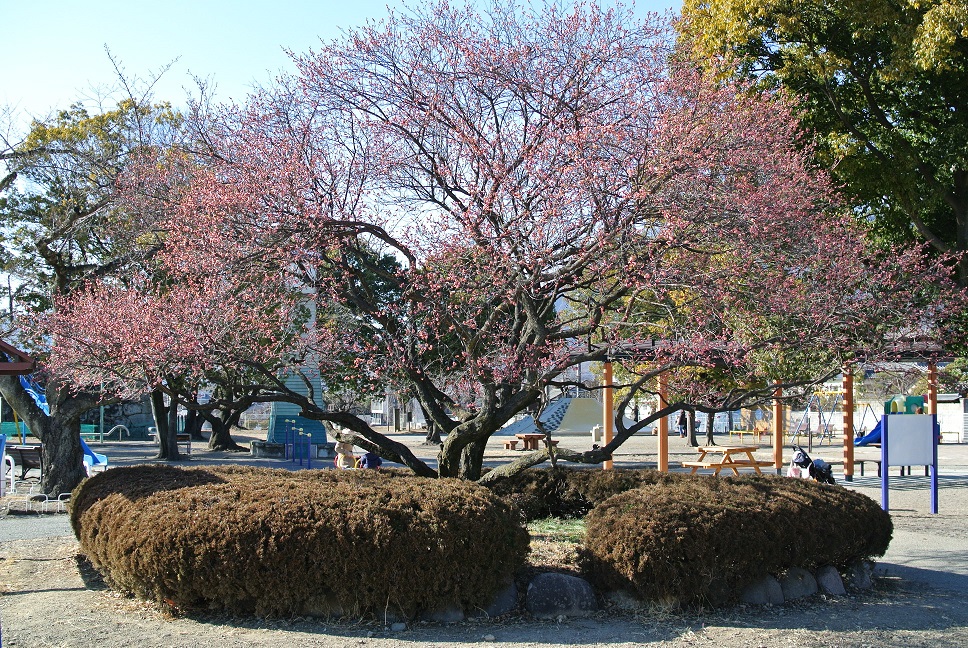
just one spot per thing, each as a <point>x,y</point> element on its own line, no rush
<point>817,469</point>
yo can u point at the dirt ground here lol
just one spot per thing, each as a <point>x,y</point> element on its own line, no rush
<point>49,597</point>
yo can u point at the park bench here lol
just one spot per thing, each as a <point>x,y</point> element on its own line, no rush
<point>511,444</point>
<point>89,432</point>
<point>180,438</point>
<point>27,457</point>
<point>905,470</point>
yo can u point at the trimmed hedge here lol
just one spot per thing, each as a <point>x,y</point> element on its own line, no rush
<point>274,542</point>
<point>702,540</point>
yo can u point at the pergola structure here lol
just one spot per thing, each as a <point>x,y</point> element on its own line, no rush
<point>20,364</point>
<point>931,356</point>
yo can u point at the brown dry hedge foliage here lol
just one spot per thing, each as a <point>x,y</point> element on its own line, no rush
<point>273,542</point>
<point>566,492</point>
<point>700,539</point>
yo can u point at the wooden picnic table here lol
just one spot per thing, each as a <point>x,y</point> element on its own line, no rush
<point>531,441</point>
<point>732,457</point>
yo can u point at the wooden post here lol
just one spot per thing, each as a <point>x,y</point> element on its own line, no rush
<point>848,386</point>
<point>778,429</point>
<point>608,415</point>
<point>663,426</point>
<point>932,388</point>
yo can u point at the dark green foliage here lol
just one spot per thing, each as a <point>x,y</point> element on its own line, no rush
<point>564,492</point>
<point>702,539</point>
<point>311,542</point>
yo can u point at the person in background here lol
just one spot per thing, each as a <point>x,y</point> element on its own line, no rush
<point>682,424</point>
<point>344,455</point>
<point>371,460</point>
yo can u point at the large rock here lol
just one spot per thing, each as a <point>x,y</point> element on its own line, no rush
<point>829,581</point>
<point>860,575</point>
<point>797,583</point>
<point>553,595</point>
<point>505,601</point>
<point>766,591</point>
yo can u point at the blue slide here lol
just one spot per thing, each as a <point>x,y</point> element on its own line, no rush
<point>37,393</point>
<point>874,436</point>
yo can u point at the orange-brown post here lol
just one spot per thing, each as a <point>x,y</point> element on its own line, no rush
<point>848,386</point>
<point>932,388</point>
<point>663,426</point>
<point>608,416</point>
<point>778,429</point>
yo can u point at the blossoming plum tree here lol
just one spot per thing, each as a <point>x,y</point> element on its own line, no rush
<point>468,204</point>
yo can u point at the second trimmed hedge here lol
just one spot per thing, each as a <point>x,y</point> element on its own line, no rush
<point>702,540</point>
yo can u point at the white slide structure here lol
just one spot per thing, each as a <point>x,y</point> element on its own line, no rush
<point>564,417</point>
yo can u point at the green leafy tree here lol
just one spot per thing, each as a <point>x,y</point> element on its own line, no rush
<point>882,83</point>
<point>62,226</point>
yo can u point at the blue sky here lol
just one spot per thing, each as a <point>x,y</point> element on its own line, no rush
<point>52,51</point>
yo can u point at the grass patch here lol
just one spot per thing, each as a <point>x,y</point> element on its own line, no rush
<point>558,530</point>
<point>555,543</point>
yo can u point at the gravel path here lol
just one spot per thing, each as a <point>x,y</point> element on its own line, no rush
<point>48,597</point>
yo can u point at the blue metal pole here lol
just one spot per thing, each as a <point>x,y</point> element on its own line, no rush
<point>936,433</point>
<point>885,467</point>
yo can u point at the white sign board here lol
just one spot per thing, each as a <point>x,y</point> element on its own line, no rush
<point>911,440</point>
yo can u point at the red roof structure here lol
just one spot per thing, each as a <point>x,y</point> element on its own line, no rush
<point>20,364</point>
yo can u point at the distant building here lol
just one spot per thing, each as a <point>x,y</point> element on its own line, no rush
<point>398,416</point>
<point>953,418</point>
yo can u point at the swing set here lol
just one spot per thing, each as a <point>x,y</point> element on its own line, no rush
<point>825,404</point>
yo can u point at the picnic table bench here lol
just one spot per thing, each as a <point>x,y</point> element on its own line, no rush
<point>27,457</point>
<point>531,441</point>
<point>732,457</point>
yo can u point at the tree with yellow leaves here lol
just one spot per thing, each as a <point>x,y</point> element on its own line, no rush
<point>882,83</point>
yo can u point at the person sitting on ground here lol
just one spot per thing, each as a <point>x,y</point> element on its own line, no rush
<point>371,460</point>
<point>344,455</point>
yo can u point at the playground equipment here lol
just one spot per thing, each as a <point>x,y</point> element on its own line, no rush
<point>874,436</point>
<point>901,404</point>
<point>825,418</point>
<point>39,396</point>
<point>298,444</point>
<point>563,417</point>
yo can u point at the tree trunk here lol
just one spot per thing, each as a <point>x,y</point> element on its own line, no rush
<point>471,460</point>
<point>166,422</point>
<point>193,425</point>
<point>710,429</point>
<point>433,435</point>
<point>59,432</point>
<point>691,429</point>
<point>221,438</point>
<point>449,457</point>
